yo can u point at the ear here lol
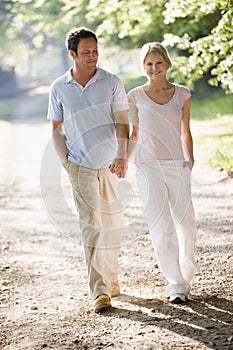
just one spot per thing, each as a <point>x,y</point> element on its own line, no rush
<point>73,55</point>
<point>167,67</point>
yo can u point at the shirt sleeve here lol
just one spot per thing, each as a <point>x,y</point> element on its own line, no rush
<point>185,94</point>
<point>120,101</point>
<point>55,109</point>
<point>131,95</point>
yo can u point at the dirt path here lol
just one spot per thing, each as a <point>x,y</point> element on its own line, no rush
<point>44,301</point>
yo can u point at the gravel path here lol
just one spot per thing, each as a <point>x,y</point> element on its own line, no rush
<point>44,303</point>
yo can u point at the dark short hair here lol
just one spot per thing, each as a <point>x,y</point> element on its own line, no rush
<point>75,35</point>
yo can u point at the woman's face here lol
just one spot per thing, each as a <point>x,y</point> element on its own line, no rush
<point>155,66</point>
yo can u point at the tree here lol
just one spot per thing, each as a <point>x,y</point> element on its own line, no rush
<point>28,26</point>
<point>128,23</point>
<point>211,52</point>
<point>200,31</point>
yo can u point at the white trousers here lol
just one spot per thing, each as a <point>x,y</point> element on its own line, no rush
<point>166,194</point>
<point>101,220</point>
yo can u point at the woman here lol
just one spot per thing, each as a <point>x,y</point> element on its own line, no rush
<point>163,152</point>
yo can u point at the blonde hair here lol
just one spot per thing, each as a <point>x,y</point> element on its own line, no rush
<point>157,48</point>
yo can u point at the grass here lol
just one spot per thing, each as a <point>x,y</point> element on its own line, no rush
<point>211,106</point>
<point>214,141</point>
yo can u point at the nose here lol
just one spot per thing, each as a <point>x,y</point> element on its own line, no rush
<point>154,66</point>
<point>92,54</point>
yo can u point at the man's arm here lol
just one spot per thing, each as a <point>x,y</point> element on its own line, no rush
<point>119,165</point>
<point>59,142</point>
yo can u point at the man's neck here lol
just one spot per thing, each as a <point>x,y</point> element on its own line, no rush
<point>82,76</point>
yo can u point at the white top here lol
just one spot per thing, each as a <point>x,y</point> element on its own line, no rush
<point>88,116</point>
<point>159,126</point>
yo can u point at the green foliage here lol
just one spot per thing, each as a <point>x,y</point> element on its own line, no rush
<point>212,52</point>
<point>131,81</point>
<point>24,27</point>
<point>128,23</point>
<point>222,161</point>
<point>210,102</point>
<point>31,25</point>
<point>200,33</point>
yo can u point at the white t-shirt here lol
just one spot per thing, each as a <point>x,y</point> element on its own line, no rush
<point>88,116</point>
<point>159,126</point>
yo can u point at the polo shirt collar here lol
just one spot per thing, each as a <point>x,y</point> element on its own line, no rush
<point>68,76</point>
<point>99,74</point>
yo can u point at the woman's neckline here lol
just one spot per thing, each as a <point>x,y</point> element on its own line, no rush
<point>157,103</point>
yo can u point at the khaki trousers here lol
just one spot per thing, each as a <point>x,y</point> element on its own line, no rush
<point>101,220</point>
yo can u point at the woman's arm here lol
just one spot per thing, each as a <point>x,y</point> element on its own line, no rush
<point>186,132</point>
<point>135,129</point>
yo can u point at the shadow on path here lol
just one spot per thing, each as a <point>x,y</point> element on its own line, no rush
<point>205,319</point>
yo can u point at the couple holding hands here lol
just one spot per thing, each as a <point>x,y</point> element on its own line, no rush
<point>88,109</point>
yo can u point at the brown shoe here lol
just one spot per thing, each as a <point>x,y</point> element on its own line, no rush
<point>102,302</point>
<point>115,289</point>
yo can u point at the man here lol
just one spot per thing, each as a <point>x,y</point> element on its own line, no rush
<point>88,110</point>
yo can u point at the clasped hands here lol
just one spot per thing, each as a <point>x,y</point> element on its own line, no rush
<point>119,167</point>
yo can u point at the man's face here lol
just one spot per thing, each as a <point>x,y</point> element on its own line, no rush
<point>87,53</point>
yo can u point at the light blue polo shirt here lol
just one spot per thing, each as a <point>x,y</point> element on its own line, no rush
<point>87,115</point>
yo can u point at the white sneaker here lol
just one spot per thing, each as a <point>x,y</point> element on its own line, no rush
<point>177,298</point>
